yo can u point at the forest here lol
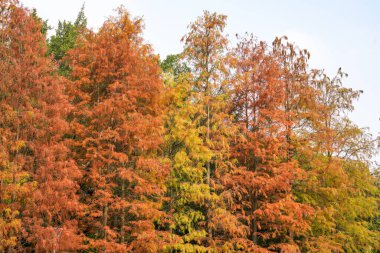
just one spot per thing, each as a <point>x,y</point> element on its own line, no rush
<point>223,147</point>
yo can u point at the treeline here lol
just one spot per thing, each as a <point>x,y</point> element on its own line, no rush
<point>221,148</point>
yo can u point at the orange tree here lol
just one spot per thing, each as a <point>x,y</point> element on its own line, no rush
<point>116,128</point>
<point>37,175</point>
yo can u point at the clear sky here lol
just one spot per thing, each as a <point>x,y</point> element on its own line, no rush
<point>340,33</point>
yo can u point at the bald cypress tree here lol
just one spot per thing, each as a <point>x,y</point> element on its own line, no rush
<point>37,174</point>
<point>116,128</point>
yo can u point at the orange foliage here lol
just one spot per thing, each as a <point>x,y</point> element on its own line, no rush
<point>34,108</point>
<point>116,129</point>
<point>261,186</point>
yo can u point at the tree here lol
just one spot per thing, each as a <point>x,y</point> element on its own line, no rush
<point>15,183</point>
<point>65,39</point>
<point>184,147</point>
<point>172,64</point>
<point>45,27</point>
<point>36,172</point>
<point>299,102</point>
<point>219,150</point>
<point>338,183</point>
<point>261,186</point>
<point>205,54</point>
<point>116,130</point>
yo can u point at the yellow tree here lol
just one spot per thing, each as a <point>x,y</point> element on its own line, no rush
<point>205,53</point>
<point>338,183</point>
<point>184,147</point>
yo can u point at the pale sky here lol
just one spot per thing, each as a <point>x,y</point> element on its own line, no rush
<point>341,33</point>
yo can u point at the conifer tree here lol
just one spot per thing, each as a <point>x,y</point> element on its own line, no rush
<point>242,150</point>
<point>37,174</point>
<point>65,38</point>
<point>184,147</point>
<point>299,102</point>
<point>116,132</point>
<point>338,183</point>
<point>205,53</point>
<point>262,184</point>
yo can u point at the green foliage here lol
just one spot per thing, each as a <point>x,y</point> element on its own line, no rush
<point>172,64</point>
<point>45,27</point>
<point>64,39</point>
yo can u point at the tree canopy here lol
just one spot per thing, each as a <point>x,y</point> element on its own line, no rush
<point>223,147</point>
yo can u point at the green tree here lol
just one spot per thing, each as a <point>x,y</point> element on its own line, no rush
<point>173,64</point>
<point>45,27</point>
<point>64,39</point>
